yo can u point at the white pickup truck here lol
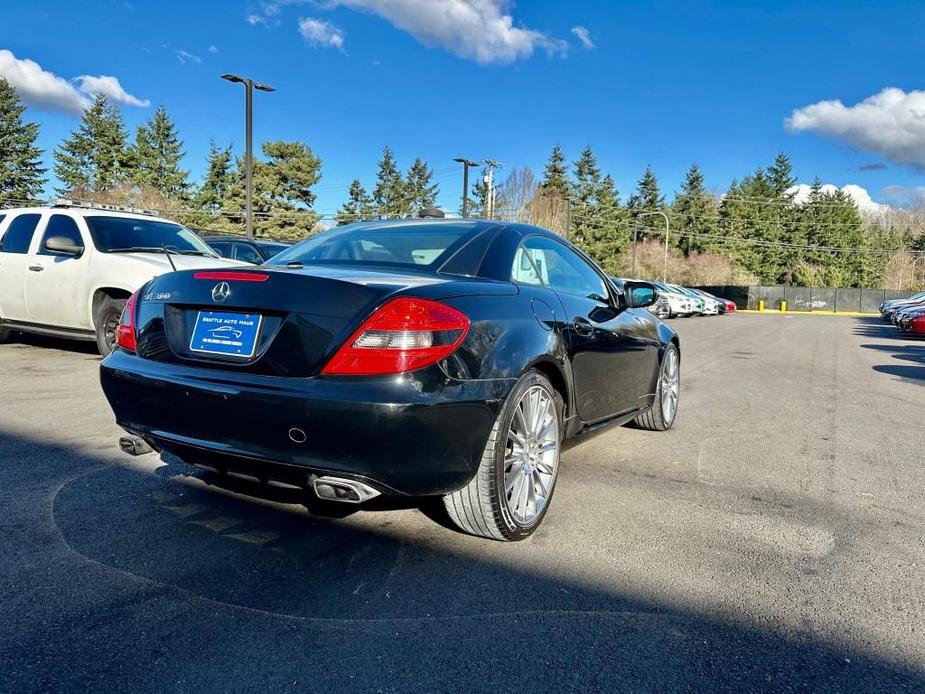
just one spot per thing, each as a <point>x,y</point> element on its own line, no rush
<point>68,269</point>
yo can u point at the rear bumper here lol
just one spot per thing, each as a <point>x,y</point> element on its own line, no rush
<point>415,434</point>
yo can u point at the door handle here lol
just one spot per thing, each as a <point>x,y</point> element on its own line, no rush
<point>36,268</point>
<point>583,327</point>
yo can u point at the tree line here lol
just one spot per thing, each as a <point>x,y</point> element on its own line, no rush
<point>753,231</point>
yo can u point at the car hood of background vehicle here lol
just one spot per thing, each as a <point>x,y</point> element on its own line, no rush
<point>158,262</point>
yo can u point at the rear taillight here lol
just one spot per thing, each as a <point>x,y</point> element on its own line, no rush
<point>404,335</point>
<point>125,331</point>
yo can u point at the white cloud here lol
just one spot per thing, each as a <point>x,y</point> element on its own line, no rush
<point>255,19</point>
<point>186,57</point>
<point>320,33</point>
<point>109,87</point>
<point>479,30</point>
<point>38,87</point>
<point>861,197</point>
<point>891,124</point>
<point>213,49</point>
<point>584,36</point>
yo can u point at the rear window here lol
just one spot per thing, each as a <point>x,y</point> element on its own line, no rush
<point>114,234</point>
<point>425,246</point>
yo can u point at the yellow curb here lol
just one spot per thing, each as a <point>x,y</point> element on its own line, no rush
<point>806,313</point>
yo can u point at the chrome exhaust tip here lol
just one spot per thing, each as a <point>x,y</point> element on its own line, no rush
<point>343,490</point>
<point>133,445</point>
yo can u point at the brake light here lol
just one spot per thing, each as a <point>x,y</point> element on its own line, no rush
<point>403,335</point>
<point>125,331</point>
<point>231,276</point>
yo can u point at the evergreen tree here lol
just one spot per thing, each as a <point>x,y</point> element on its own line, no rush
<point>694,214</point>
<point>420,190</point>
<point>389,193</point>
<point>21,172</point>
<point>95,158</point>
<point>646,199</point>
<point>218,180</point>
<point>555,175</point>
<point>781,176</point>
<point>283,196</point>
<point>478,203</point>
<point>359,205</point>
<point>749,215</point>
<point>156,157</point>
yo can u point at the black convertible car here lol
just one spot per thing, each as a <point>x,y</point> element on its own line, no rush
<point>412,357</point>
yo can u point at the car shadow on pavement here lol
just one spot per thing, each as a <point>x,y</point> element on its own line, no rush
<point>48,342</point>
<point>117,579</point>
<point>902,347</point>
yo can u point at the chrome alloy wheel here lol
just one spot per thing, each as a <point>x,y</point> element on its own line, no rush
<point>531,456</point>
<point>670,386</point>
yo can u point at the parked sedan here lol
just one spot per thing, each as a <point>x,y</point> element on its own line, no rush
<point>889,307</point>
<point>679,304</point>
<point>256,251</point>
<point>411,357</point>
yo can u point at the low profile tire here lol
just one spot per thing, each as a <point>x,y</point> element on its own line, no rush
<point>511,491</point>
<point>664,410</point>
<point>106,321</point>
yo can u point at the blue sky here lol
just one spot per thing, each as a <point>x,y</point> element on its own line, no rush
<point>662,83</point>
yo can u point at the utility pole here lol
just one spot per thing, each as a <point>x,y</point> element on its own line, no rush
<point>465,201</point>
<point>635,240</point>
<point>249,86</point>
<point>665,217</point>
<point>490,180</point>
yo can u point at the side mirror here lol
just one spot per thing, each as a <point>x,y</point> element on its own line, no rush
<point>64,245</point>
<point>639,294</point>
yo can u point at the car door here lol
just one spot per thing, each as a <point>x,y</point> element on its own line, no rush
<point>15,241</point>
<point>610,357</point>
<point>57,284</point>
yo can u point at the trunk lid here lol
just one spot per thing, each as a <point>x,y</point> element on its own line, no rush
<point>279,322</point>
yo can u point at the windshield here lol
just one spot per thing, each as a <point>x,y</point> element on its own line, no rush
<point>424,246</point>
<point>272,249</point>
<point>115,234</point>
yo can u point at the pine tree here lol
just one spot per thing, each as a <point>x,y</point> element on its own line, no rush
<point>781,176</point>
<point>359,205</point>
<point>555,176</point>
<point>748,214</point>
<point>420,190</point>
<point>95,158</point>
<point>389,193</point>
<point>218,180</point>
<point>283,196</point>
<point>478,202</point>
<point>21,172</point>
<point>694,214</point>
<point>156,157</point>
<point>647,199</point>
<point>584,197</point>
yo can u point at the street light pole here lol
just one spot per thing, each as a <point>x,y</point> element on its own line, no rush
<point>249,86</point>
<point>665,217</point>
<point>465,200</point>
<point>490,180</point>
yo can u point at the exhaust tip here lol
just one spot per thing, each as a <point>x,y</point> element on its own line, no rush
<point>343,490</point>
<point>134,445</point>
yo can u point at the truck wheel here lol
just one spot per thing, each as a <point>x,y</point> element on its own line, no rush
<point>664,410</point>
<point>106,321</point>
<point>511,491</point>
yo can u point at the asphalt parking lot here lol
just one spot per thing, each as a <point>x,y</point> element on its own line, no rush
<point>772,541</point>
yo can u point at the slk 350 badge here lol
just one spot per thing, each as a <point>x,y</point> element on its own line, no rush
<point>156,296</point>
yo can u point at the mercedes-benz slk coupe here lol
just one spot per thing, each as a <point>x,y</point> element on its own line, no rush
<point>412,357</point>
